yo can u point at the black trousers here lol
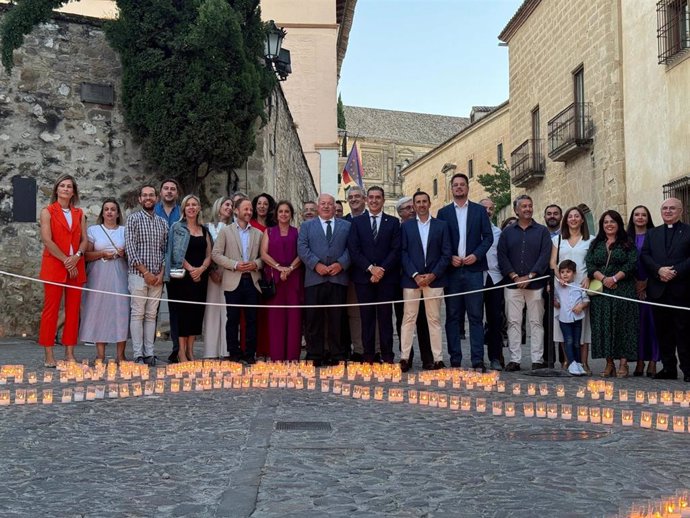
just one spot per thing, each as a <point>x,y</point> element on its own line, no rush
<point>245,293</point>
<point>315,321</point>
<point>380,315</point>
<point>493,312</point>
<point>672,332</point>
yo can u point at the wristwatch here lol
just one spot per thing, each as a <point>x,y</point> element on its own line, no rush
<point>530,276</point>
<point>79,253</point>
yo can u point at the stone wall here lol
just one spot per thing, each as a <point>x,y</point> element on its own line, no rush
<point>46,130</point>
<point>546,49</point>
<point>477,142</point>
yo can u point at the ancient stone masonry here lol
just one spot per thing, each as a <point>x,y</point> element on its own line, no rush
<point>46,129</point>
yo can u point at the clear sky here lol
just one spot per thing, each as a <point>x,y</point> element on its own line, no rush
<point>429,56</point>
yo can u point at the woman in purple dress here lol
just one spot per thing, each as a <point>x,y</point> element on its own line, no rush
<point>281,262</point>
<point>648,350</point>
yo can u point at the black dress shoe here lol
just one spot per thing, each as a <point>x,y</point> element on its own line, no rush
<point>512,367</point>
<point>538,366</point>
<point>428,366</point>
<point>686,378</point>
<point>404,365</point>
<point>439,365</point>
<point>664,374</point>
<point>356,357</point>
<point>479,367</point>
<point>377,358</point>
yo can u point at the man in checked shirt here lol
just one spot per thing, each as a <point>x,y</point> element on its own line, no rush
<point>146,236</point>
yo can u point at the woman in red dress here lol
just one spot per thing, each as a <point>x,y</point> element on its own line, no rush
<point>63,232</point>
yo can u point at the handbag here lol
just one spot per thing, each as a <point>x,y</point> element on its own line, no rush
<point>596,287</point>
<point>177,273</point>
<point>268,287</point>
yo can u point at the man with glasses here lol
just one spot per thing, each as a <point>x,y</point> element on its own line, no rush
<point>666,256</point>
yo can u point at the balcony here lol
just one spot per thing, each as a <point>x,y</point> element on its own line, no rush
<point>570,132</point>
<point>527,164</point>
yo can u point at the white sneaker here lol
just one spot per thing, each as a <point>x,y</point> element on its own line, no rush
<point>573,369</point>
<point>580,368</point>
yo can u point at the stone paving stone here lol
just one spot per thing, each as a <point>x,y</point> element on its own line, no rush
<point>217,453</point>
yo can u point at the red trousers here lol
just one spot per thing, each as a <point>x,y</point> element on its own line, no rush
<point>51,308</point>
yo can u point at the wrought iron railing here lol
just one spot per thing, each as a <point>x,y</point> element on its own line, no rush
<point>571,126</point>
<point>673,28</point>
<point>527,160</point>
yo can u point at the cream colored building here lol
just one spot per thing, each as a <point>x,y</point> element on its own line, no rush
<point>656,86</point>
<point>566,103</point>
<point>317,35</point>
<point>389,141</point>
<point>483,142</point>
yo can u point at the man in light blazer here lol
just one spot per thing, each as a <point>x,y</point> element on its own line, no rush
<point>237,251</point>
<point>471,237</point>
<point>666,257</point>
<point>374,246</point>
<point>322,247</point>
<point>426,253</point>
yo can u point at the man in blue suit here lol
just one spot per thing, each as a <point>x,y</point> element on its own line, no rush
<point>426,252</point>
<point>322,246</point>
<point>471,237</point>
<point>374,246</point>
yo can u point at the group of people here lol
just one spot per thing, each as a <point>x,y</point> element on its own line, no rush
<point>254,284</point>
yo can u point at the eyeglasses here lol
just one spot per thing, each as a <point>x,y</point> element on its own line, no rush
<point>666,209</point>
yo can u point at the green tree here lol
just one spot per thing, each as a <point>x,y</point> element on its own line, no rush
<point>497,185</point>
<point>193,86</point>
<point>342,123</point>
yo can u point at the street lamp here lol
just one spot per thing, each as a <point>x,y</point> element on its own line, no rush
<point>274,40</point>
<point>277,58</point>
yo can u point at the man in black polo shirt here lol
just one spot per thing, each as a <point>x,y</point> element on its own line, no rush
<point>524,250</point>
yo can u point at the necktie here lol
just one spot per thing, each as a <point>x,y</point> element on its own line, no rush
<point>374,228</point>
<point>329,231</point>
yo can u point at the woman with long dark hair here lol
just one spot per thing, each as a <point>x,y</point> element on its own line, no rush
<point>612,259</point>
<point>648,349</point>
<point>107,271</point>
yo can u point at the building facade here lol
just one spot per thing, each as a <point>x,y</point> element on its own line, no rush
<point>317,35</point>
<point>566,104</point>
<point>656,85</point>
<point>472,151</point>
<point>389,141</point>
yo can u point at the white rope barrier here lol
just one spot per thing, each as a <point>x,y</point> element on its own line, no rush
<point>627,299</point>
<point>277,306</point>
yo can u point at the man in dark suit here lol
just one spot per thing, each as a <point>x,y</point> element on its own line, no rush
<point>322,247</point>
<point>426,252</point>
<point>666,257</point>
<point>471,237</point>
<point>374,246</point>
<point>352,320</point>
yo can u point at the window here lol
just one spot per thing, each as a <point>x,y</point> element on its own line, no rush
<point>579,96</point>
<point>673,28</point>
<point>435,187</point>
<point>499,154</point>
<point>680,189</point>
<point>470,169</point>
<point>536,137</point>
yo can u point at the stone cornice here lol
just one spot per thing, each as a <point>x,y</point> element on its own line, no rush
<point>345,12</point>
<point>523,12</point>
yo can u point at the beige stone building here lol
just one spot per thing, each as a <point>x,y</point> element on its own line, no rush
<point>656,85</point>
<point>566,103</point>
<point>389,141</point>
<point>317,36</point>
<point>483,142</point>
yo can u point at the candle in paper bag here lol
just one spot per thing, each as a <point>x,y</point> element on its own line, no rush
<point>453,403</point>
<point>480,404</point>
<point>607,415</point>
<point>583,413</point>
<point>639,396</point>
<point>100,391</point>
<point>347,389</point>
<point>356,392</point>
<point>500,386</point>
<point>497,408</point>
<point>175,385</point>
<point>678,423</point>
<point>137,391</point>
<point>622,395</point>
<point>325,385</point>
<point>90,393</point>
<point>338,387</point>
<point>124,390</point>
<point>666,398</point>
<point>627,417</point>
<point>20,396</point>
<point>531,389</point>
<point>31,378</point>
<point>662,422</point>
<point>366,393</point>
<point>66,395</point>
<point>509,409</point>
<point>424,398</point>
<point>652,397</point>
<point>543,389</point>
<point>311,385</point>
<point>580,392</point>
<point>552,410</point>
<point>443,400</point>
<point>678,396</point>
<point>567,412</point>
<point>47,377</point>
<point>433,399</point>
<point>608,393</point>
<point>516,389</point>
<point>646,419</point>
<point>528,409</point>
<point>159,386</point>
<point>412,396</point>
<point>541,409</point>
<point>560,390</point>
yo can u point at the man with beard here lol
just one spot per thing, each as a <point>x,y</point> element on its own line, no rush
<point>146,236</point>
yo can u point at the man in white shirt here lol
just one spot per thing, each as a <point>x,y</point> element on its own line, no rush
<point>493,299</point>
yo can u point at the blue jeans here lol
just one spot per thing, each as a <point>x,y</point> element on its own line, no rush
<point>572,331</point>
<point>461,280</point>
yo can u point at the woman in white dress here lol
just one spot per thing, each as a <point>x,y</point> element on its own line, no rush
<point>215,344</point>
<point>573,243</point>
<point>105,318</point>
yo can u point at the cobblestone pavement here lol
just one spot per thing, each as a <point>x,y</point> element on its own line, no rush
<point>219,453</point>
